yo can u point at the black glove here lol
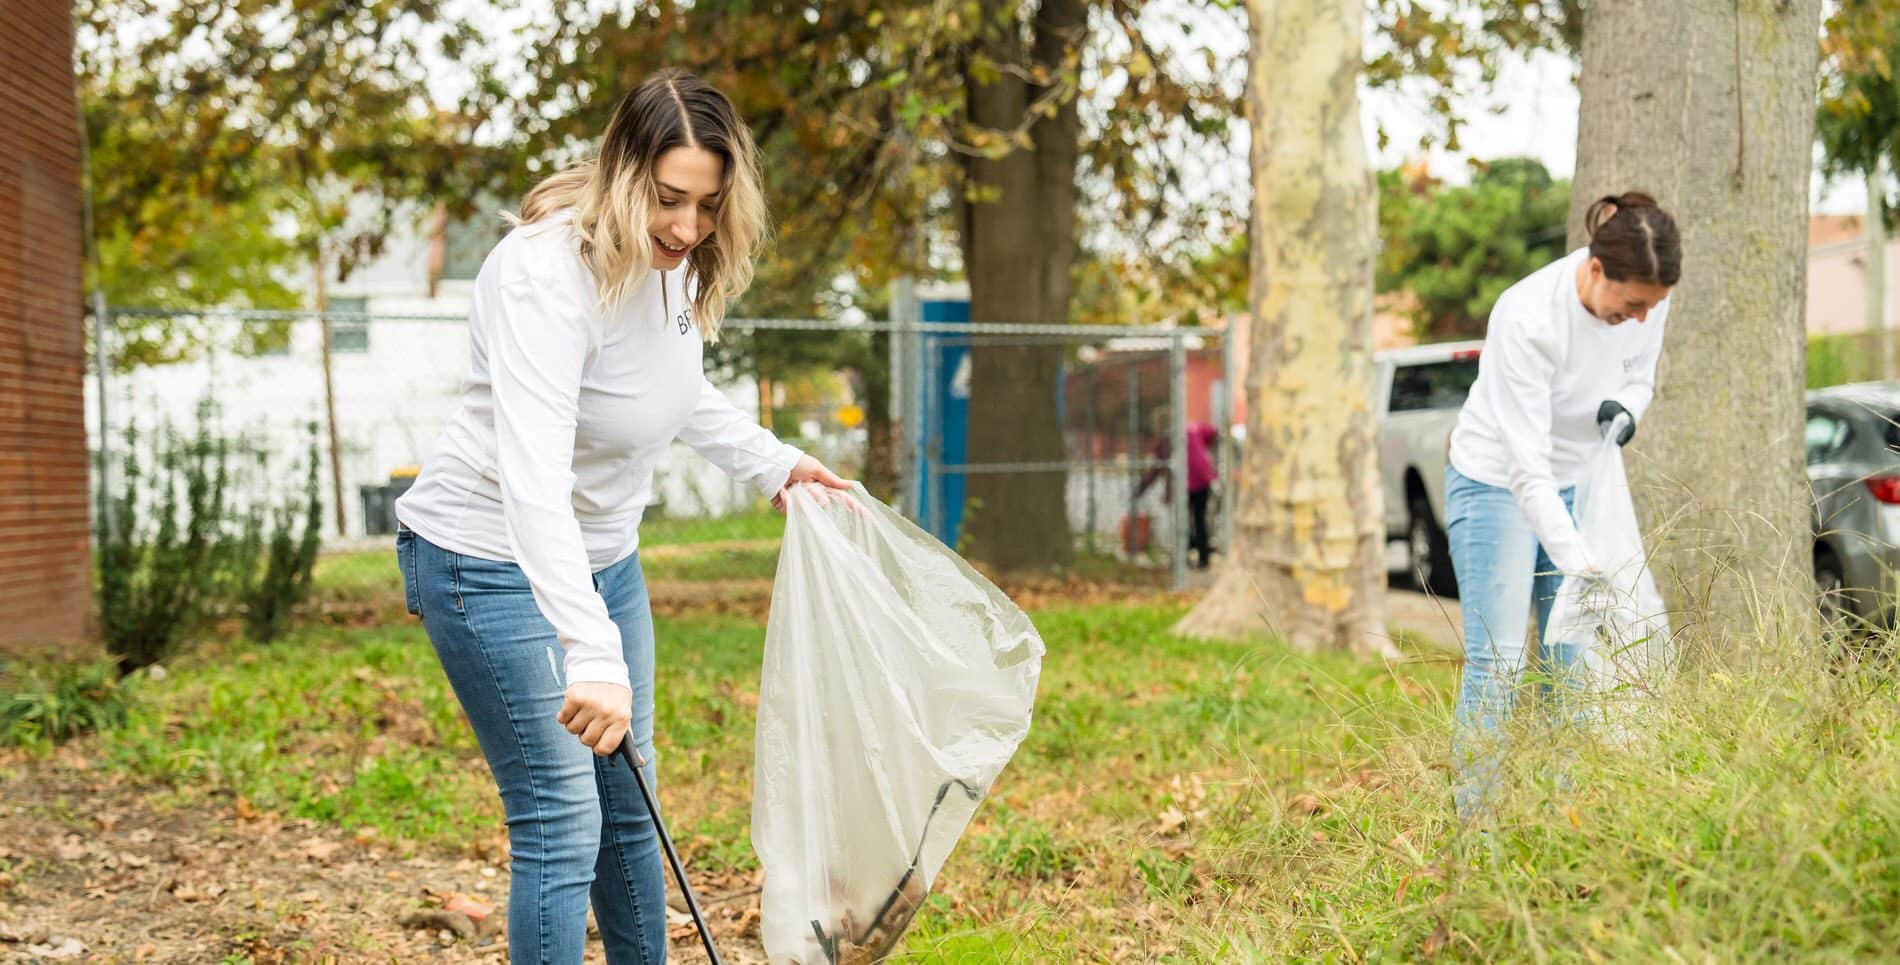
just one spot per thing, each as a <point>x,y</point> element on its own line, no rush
<point>1606,415</point>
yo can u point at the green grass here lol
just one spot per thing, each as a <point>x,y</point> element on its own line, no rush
<point>357,576</point>
<point>1176,800</point>
<point>44,702</point>
<point>1756,817</point>
<point>357,727</point>
<point>757,521</point>
<point>724,564</point>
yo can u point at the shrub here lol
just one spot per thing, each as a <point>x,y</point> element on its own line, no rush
<point>270,593</point>
<point>195,534</point>
<point>61,702</point>
<point>157,565</point>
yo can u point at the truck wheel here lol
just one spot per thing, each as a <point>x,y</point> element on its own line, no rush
<point>1428,551</point>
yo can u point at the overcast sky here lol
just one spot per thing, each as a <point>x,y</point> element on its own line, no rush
<point>1530,111</point>
<point>1539,119</point>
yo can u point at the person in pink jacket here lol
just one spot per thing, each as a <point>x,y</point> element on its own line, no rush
<point>1201,439</point>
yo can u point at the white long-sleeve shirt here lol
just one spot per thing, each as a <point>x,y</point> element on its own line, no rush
<point>549,461</point>
<point>1531,419</point>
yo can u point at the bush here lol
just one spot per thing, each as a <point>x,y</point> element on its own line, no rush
<point>156,574</point>
<point>61,702</point>
<point>1841,359</point>
<point>1832,360</point>
<point>194,536</point>
<point>271,593</point>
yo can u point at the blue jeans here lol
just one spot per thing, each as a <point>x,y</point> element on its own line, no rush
<point>577,826</point>
<point>1502,572</point>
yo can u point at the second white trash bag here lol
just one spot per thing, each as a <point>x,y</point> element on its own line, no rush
<point>1620,626</point>
<point>897,683</point>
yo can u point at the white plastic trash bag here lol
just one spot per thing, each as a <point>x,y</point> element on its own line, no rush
<point>897,683</point>
<point>1620,625</point>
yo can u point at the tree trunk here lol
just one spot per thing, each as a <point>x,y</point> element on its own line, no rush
<point>1307,562</point>
<point>329,400</point>
<point>1709,105</point>
<point>1019,251</point>
<point>880,431</point>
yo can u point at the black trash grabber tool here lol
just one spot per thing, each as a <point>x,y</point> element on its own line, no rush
<point>625,752</point>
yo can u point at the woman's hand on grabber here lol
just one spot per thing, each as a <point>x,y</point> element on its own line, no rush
<point>808,470</point>
<point>598,713</point>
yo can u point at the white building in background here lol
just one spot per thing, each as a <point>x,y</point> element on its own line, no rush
<point>397,378</point>
<point>1837,274</point>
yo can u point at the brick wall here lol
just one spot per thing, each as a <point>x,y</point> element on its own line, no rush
<point>45,585</point>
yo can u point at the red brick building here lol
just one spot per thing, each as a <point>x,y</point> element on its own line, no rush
<point>45,580</point>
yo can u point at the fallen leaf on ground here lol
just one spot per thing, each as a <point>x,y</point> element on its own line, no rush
<point>1308,804</point>
<point>59,949</point>
<point>319,849</point>
<point>474,909</point>
<point>70,848</point>
<point>437,919</point>
<point>1172,820</point>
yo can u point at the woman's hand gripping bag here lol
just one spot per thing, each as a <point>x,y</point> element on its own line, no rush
<point>897,683</point>
<point>1618,626</point>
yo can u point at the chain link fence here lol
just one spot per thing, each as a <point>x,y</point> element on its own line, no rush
<point>381,384</point>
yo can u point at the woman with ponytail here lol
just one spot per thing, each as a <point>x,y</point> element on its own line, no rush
<point>1569,358</point>
<point>518,542</point>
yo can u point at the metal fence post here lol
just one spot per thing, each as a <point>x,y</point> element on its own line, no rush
<point>102,360</point>
<point>1177,453</point>
<point>1134,458</point>
<point>927,492</point>
<point>1088,433</point>
<point>919,405</point>
<point>1229,452</point>
<point>902,388</point>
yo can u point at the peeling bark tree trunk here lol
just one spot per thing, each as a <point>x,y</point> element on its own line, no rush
<point>1308,557</point>
<point>1709,105</point>
<point>1019,252</point>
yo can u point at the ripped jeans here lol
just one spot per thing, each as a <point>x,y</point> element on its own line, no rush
<point>578,830</point>
<point>1504,576</point>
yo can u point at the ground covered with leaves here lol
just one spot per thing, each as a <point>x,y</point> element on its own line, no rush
<point>321,798</point>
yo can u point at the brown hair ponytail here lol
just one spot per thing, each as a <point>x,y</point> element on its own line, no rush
<point>1634,239</point>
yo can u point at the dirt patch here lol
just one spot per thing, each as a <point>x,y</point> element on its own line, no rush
<point>753,598</point>
<point>1429,618</point>
<point>674,551</point>
<point>1043,592</point>
<point>90,862</point>
<point>681,598</point>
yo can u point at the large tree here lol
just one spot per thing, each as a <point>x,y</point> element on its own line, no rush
<point>230,142</point>
<point>1309,539</point>
<point>1019,251</point>
<point>1858,117</point>
<point>1452,251</point>
<point>1858,125</point>
<point>888,128</point>
<point>1709,105</point>
<point>891,130</point>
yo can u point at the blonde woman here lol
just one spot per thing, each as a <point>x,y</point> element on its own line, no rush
<point>518,542</point>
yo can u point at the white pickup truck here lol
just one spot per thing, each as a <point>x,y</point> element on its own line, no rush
<point>1420,391</point>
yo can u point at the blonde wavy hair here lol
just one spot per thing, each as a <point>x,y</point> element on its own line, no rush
<point>612,194</point>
